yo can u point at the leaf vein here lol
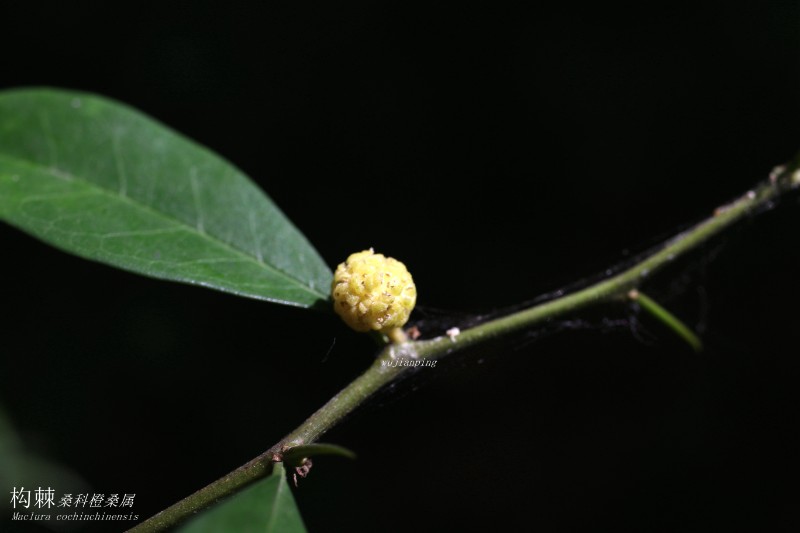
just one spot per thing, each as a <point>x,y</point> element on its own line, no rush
<point>59,174</point>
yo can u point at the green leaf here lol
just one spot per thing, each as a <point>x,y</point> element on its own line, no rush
<point>98,179</point>
<point>267,506</point>
<point>20,468</point>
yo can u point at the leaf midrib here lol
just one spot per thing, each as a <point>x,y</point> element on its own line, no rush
<point>276,498</point>
<point>60,174</point>
<point>270,526</point>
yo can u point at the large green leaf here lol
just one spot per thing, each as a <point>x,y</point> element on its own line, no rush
<point>265,507</point>
<point>99,179</point>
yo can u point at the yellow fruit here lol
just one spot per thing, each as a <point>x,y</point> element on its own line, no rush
<point>373,292</point>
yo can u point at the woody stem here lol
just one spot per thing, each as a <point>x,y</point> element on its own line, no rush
<point>384,370</point>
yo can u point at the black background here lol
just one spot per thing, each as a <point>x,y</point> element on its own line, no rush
<point>514,152</point>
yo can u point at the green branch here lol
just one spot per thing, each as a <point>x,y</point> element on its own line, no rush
<point>393,359</point>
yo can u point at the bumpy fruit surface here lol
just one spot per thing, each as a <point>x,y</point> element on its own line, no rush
<point>373,292</point>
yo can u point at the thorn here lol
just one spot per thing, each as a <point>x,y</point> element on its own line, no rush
<point>668,319</point>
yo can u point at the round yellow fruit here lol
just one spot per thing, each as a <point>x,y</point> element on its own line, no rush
<point>373,292</point>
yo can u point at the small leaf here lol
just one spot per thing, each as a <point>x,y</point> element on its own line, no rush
<point>294,456</point>
<point>103,181</point>
<point>267,506</point>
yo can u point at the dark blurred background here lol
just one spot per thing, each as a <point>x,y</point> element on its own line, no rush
<point>524,151</point>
